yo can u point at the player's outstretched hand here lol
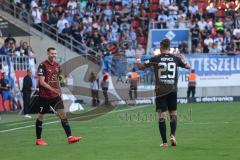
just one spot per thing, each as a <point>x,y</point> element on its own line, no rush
<point>181,55</point>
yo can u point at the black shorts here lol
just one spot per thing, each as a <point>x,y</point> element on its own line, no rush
<point>167,102</point>
<point>45,104</point>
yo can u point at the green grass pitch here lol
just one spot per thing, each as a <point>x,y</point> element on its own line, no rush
<point>205,132</point>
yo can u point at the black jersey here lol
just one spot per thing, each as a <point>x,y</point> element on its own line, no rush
<point>166,71</point>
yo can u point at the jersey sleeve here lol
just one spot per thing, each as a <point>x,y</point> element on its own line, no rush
<point>180,63</point>
<point>41,70</point>
<point>150,62</point>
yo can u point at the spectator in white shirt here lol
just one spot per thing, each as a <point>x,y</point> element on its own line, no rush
<point>162,20</point>
<point>193,9</point>
<point>164,2</point>
<point>108,13</point>
<point>130,52</point>
<point>34,3</point>
<point>37,18</point>
<point>61,24</point>
<point>72,3</point>
<point>171,24</point>
<point>236,31</point>
<point>202,25</point>
<point>208,41</point>
<point>211,10</point>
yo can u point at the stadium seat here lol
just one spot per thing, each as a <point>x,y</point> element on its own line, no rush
<point>221,5</point>
<point>202,6</point>
<point>220,13</point>
<point>63,2</point>
<point>54,2</point>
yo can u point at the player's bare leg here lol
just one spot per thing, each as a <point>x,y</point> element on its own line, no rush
<point>162,128</point>
<point>39,122</point>
<point>173,125</point>
<point>62,115</point>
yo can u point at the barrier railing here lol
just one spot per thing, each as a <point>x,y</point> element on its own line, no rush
<point>18,63</point>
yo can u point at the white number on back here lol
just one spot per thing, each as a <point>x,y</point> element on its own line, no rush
<point>170,67</point>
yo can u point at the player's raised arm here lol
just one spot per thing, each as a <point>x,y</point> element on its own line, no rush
<point>183,60</point>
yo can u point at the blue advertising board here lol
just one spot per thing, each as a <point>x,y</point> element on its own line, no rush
<point>175,35</point>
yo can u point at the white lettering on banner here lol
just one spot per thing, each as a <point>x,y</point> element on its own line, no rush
<point>200,64</point>
<point>220,64</point>
<point>206,64</point>
<point>217,99</point>
<point>182,100</point>
<point>238,64</point>
<point>227,64</point>
<point>213,64</point>
<point>232,66</point>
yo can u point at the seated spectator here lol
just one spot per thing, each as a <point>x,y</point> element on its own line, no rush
<point>72,3</point>
<point>61,23</point>
<point>130,52</point>
<point>213,49</point>
<point>140,51</point>
<point>199,48</point>
<point>229,48</point>
<point>202,25</point>
<point>211,9</point>
<point>208,41</point>
<point>164,2</point>
<point>219,25</point>
<point>162,20</point>
<point>193,10</point>
<point>236,31</point>
<point>107,14</point>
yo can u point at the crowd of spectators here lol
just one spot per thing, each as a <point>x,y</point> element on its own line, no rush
<point>214,24</point>
<point>18,56</point>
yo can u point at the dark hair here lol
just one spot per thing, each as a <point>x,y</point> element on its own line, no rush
<point>165,43</point>
<point>51,48</point>
<point>105,78</point>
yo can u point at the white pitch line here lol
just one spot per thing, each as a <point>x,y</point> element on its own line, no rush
<point>13,129</point>
<point>29,126</point>
<point>17,123</point>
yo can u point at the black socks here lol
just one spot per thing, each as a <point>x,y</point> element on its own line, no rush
<point>162,129</point>
<point>173,123</point>
<point>38,128</point>
<point>66,127</point>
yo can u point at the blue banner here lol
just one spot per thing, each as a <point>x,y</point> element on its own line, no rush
<point>176,36</point>
<point>216,64</point>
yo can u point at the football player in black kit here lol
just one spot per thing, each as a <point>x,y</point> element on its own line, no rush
<point>165,66</point>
